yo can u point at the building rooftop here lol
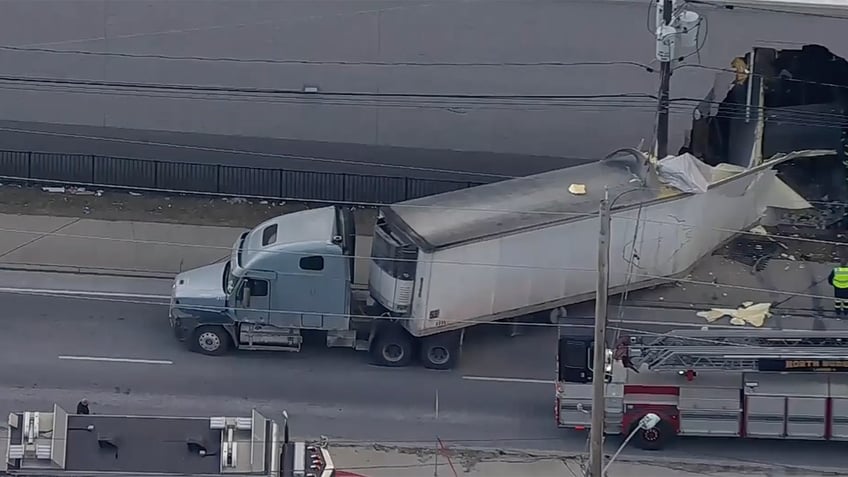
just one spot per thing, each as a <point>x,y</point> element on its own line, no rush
<point>57,443</point>
<point>129,444</point>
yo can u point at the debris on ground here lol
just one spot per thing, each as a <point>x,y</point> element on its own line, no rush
<point>577,189</point>
<point>759,230</point>
<point>136,206</point>
<point>749,313</point>
<point>124,205</point>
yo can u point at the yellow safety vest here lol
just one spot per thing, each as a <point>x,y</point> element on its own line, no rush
<point>840,277</point>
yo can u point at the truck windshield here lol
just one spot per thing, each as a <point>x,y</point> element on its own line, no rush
<point>396,260</point>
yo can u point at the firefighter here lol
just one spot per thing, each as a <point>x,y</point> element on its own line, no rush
<point>82,407</point>
<point>838,279</point>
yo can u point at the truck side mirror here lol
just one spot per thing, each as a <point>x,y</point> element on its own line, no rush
<point>246,294</point>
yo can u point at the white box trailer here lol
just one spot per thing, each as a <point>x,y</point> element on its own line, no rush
<point>528,245</point>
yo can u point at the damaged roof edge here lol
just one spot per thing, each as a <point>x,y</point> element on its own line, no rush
<point>800,6</point>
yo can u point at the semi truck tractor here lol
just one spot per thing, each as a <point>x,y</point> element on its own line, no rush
<point>439,264</point>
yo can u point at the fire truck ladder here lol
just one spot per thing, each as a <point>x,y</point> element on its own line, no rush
<point>715,350</point>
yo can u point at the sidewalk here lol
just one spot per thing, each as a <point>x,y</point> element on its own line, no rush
<point>100,246</point>
<point>379,461</point>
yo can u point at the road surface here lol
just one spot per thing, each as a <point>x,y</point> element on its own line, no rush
<point>122,357</point>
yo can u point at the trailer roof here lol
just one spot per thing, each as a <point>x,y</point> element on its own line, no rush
<point>457,217</point>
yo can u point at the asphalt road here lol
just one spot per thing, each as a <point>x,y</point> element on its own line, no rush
<point>45,341</point>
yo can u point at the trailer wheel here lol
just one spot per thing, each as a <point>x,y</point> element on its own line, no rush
<point>392,347</point>
<point>211,340</point>
<point>655,438</point>
<point>440,351</point>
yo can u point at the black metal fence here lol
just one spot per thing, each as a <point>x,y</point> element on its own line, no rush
<point>104,171</point>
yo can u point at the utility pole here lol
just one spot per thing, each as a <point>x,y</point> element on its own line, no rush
<point>665,53</point>
<point>596,443</point>
<point>674,26</point>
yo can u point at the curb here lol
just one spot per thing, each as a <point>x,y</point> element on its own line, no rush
<point>715,464</point>
<point>103,272</point>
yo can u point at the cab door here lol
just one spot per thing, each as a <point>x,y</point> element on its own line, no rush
<point>253,304</point>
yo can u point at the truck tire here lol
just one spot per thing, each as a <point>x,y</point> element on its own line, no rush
<point>440,351</point>
<point>392,347</point>
<point>656,438</point>
<point>210,340</point>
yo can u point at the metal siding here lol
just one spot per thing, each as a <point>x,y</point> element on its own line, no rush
<point>313,185</point>
<point>14,163</point>
<point>249,181</point>
<point>61,167</point>
<point>375,189</point>
<point>416,188</point>
<point>124,172</point>
<point>187,176</point>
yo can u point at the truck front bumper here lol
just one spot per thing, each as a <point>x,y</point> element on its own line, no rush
<point>178,325</point>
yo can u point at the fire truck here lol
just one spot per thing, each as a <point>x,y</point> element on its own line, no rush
<point>740,382</point>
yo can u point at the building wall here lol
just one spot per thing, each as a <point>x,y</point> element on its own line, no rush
<point>323,33</point>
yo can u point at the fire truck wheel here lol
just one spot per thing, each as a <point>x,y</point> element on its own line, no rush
<point>392,347</point>
<point>211,340</point>
<point>440,351</point>
<point>655,438</point>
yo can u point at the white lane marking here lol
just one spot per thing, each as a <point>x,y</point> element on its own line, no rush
<point>508,380</point>
<point>116,360</point>
<point>48,291</point>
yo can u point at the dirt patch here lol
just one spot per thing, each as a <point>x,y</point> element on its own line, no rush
<point>147,207</point>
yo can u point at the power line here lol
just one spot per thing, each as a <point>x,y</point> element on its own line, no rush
<point>415,206</point>
<point>450,102</point>
<point>411,206</point>
<point>282,91</point>
<point>763,76</point>
<point>731,6</point>
<point>244,152</point>
<point>459,107</point>
<point>800,118</point>
<point>467,322</point>
<point>253,92</point>
<point>223,59</point>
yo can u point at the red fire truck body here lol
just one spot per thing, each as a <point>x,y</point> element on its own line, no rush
<point>755,383</point>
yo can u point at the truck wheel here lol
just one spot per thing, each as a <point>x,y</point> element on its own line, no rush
<point>392,347</point>
<point>656,438</point>
<point>211,340</point>
<point>440,351</point>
